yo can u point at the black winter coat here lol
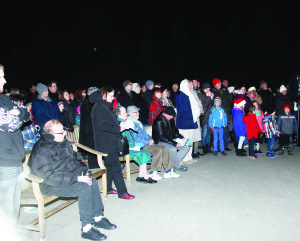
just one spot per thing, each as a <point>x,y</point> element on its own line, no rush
<point>226,105</point>
<point>124,99</point>
<point>207,103</point>
<point>106,127</point>
<point>71,108</point>
<point>280,101</point>
<point>268,101</point>
<point>148,97</point>
<point>55,162</point>
<point>65,121</point>
<point>139,102</point>
<point>164,131</point>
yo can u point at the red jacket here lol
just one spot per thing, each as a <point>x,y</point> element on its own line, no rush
<point>252,127</point>
<point>156,107</point>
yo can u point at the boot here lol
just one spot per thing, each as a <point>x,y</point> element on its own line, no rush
<point>290,151</point>
<point>281,152</point>
<point>239,152</point>
<point>236,146</point>
<point>205,149</point>
<point>209,149</point>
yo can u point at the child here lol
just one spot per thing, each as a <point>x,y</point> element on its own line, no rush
<point>64,117</point>
<point>238,125</point>
<point>287,125</point>
<point>252,129</point>
<point>217,121</point>
<point>271,132</point>
<point>259,117</point>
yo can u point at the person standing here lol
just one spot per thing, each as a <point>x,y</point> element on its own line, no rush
<point>148,93</point>
<point>52,88</point>
<point>125,97</point>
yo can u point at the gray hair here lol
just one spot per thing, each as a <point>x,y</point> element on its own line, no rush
<point>92,90</point>
<point>48,127</point>
<point>118,110</point>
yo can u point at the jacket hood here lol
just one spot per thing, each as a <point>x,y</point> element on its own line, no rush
<point>95,97</point>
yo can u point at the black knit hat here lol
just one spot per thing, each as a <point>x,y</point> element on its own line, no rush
<point>205,86</point>
<point>170,111</point>
<point>126,82</point>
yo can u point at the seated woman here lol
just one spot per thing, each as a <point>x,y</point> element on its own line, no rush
<point>140,156</point>
<point>156,105</point>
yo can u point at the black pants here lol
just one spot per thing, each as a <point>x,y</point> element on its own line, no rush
<point>284,140</point>
<point>251,144</point>
<point>114,173</point>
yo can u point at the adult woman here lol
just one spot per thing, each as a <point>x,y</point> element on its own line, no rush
<point>156,105</point>
<point>79,96</point>
<point>139,102</point>
<point>166,98</point>
<point>253,96</point>
<point>241,94</point>
<point>107,138</point>
<point>69,105</point>
<point>140,156</point>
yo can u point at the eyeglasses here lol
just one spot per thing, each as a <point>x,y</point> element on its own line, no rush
<point>60,133</point>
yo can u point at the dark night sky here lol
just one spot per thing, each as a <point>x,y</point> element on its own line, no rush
<point>140,40</point>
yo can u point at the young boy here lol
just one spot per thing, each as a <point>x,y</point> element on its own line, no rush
<point>252,129</point>
<point>217,121</point>
<point>287,125</point>
<point>271,132</point>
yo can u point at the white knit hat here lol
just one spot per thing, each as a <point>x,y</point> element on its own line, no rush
<point>134,86</point>
<point>282,88</point>
<point>251,88</point>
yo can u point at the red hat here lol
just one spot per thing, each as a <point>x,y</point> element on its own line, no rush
<point>239,102</point>
<point>60,103</point>
<point>287,106</point>
<point>215,81</point>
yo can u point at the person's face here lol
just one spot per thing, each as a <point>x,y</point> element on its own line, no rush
<point>123,114</point>
<point>190,85</point>
<point>58,132</point>
<point>286,110</point>
<point>225,83</point>
<point>195,84</point>
<point>20,102</point>
<point>137,90</point>
<point>151,87</point>
<point>128,88</point>
<point>165,93</point>
<point>175,87</point>
<point>134,115</point>
<point>255,104</point>
<point>2,80</point>
<point>168,117</point>
<point>144,88</point>
<point>252,92</point>
<point>61,107</point>
<point>158,94</point>
<point>218,86</point>
<point>217,104</point>
<point>44,95</point>
<point>66,96</point>
<point>72,96</point>
<point>32,89</point>
<point>264,86</point>
<point>207,90</point>
<point>110,97</point>
<point>283,92</point>
<point>83,93</point>
<point>53,88</point>
<point>242,90</point>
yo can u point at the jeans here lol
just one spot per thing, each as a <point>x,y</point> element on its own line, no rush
<point>218,136</point>
<point>10,190</point>
<point>271,144</point>
<point>251,146</point>
<point>177,154</point>
<point>89,200</point>
<point>205,135</point>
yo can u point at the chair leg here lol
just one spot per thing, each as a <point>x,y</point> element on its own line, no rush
<point>104,186</point>
<point>42,224</point>
<point>128,169</point>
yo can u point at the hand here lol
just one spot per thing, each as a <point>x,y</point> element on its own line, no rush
<point>151,142</point>
<point>14,112</point>
<point>211,95</point>
<point>122,128</point>
<point>178,145</point>
<point>85,179</point>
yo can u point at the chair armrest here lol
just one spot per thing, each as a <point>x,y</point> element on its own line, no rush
<point>34,178</point>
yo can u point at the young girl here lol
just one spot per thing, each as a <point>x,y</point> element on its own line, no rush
<point>259,117</point>
<point>64,117</point>
<point>217,121</point>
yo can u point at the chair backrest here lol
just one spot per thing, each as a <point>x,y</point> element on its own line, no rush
<point>25,183</point>
<point>73,137</point>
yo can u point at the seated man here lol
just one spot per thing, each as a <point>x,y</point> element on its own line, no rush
<point>53,159</point>
<point>160,154</point>
<point>165,133</point>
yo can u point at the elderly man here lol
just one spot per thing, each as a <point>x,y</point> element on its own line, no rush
<point>53,159</point>
<point>165,133</point>
<point>160,154</point>
<point>44,108</point>
<point>12,151</point>
<point>125,97</point>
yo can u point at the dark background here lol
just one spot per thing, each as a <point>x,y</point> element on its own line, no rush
<point>140,40</point>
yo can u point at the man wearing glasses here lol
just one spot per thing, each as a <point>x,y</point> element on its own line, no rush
<point>53,159</point>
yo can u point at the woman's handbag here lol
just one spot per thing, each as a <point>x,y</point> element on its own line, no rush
<point>125,146</point>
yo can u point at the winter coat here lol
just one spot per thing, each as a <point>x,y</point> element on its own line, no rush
<point>140,135</point>
<point>184,118</point>
<point>86,136</point>
<point>238,125</point>
<point>225,101</point>
<point>173,96</point>
<point>270,126</point>
<point>252,127</point>
<point>53,96</point>
<point>139,102</point>
<point>207,104</point>
<point>107,136</point>
<point>287,124</point>
<point>71,108</point>
<point>124,98</point>
<point>217,117</point>
<point>280,101</point>
<point>156,107</point>
<point>259,117</point>
<point>148,97</point>
<point>55,162</point>
<point>164,130</point>
<point>12,146</point>
<point>268,102</point>
<point>44,110</point>
<point>65,121</point>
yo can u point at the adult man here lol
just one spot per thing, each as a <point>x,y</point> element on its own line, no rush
<point>173,93</point>
<point>160,154</point>
<point>225,85</point>
<point>226,105</point>
<point>165,133</point>
<point>53,91</point>
<point>196,86</point>
<point>32,94</point>
<point>148,93</point>
<point>12,116</point>
<point>125,95</point>
<point>268,103</point>
<point>53,159</point>
<point>44,108</point>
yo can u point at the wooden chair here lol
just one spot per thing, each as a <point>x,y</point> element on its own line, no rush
<point>31,193</point>
<point>73,137</point>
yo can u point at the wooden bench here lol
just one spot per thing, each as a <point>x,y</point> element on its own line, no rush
<point>32,196</point>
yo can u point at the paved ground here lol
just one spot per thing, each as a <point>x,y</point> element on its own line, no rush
<point>218,199</point>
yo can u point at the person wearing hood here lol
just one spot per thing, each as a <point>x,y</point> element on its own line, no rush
<point>44,108</point>
<point>107,138</point>
<point>281,99</point>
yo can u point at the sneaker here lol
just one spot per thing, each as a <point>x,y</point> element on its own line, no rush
<point>182,168</point>
<point>252,157</point>
<point>259,152</point>
<point>215,153</point>
<point>93,234</point>
<point>272,155</point>
<point>105,224</point>
<point>171,174</point>
<point>224,153</point>
<point>155,176</point>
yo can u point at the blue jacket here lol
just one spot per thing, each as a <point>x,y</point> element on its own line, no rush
<point>184,119</point>
<point>141,138</point>
<point>217,117</point>
<point>44,110</point>
<point>238,124</point>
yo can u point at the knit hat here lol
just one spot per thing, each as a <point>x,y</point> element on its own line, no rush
<point>239,102</point>
<point>205,86</point>
<point>215,81</point>
<point>126,82</point>
<point>286,106</point>
<point>132,108</point>
<point>282,88</point>
<point>217,99</point>
<point>40,88</point>
<point>60,103</point>
<point>230,89</point>
<point>135,85</point>
<point>91,90</point>
<point>170,111</point>
<point>148,83</point>
<point>262,82</point>
<point>251,88</point>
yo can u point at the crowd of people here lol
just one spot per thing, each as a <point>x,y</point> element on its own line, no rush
<point>165,128</point>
